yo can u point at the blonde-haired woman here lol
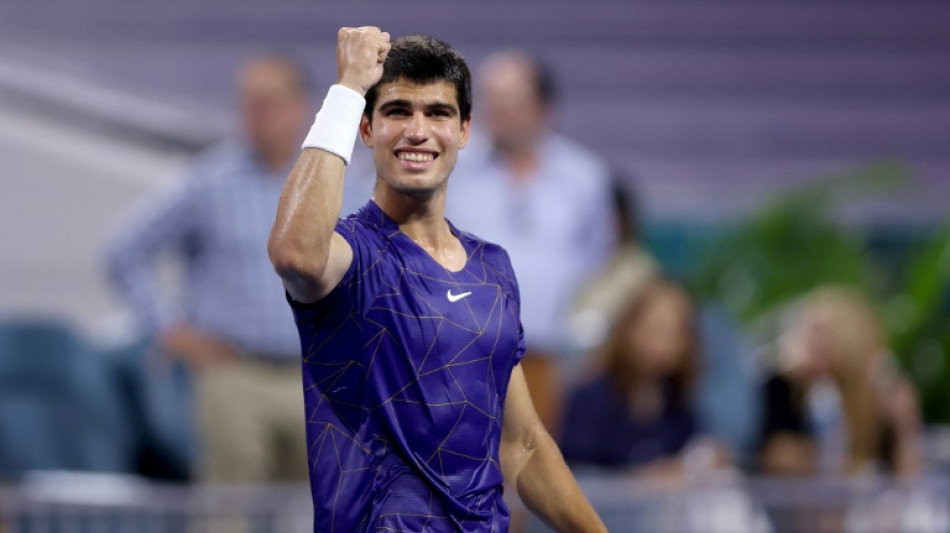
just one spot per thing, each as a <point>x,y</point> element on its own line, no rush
<point>838,404</point>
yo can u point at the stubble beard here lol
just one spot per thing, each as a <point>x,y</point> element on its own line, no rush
<point>420,193</point>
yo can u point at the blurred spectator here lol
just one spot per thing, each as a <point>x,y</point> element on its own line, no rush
<point>636,414</point>
<point>542,197</point>
<point>601,300</point>
<point>837,404</point>
<point>234,328</point>
<point>725,398</point>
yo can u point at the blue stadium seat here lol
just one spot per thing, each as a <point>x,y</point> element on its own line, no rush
<point>59,406</point>
<point>157,394</point>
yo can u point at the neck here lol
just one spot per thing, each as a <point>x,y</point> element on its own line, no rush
<point>522,160</point>
<point>422,218</point>
<point>645,399</point>
<point>275,160</point>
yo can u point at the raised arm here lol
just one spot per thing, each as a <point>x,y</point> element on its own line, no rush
<point>532,463</point>
<point>305,251</point>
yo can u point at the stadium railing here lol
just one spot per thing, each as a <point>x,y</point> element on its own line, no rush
<point>57,502</point>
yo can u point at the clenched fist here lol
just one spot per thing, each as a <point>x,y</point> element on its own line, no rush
<point>360,53</point>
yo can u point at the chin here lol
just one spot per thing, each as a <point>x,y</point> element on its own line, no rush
<point>420,187</point>
<point>419,193</point>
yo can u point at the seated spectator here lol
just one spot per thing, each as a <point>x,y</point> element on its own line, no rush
<point>636,413</point>
<point>726,389</point>
<point>837,404</point>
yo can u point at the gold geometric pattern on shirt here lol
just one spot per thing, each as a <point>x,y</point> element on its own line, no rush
<point>473,277</point>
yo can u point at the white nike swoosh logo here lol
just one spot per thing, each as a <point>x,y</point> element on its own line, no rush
<point>456,297</point>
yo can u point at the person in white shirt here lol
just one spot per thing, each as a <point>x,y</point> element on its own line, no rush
<point>541,196</point>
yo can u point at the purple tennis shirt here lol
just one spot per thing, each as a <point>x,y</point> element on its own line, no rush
<point>406,367</point>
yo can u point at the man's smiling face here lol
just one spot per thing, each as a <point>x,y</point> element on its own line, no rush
<point>415,134</point>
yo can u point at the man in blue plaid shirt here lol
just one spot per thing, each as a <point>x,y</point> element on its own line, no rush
<point>231,323</point>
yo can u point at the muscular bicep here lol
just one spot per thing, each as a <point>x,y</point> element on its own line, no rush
<point>303,247</point>
<point>306,289</point>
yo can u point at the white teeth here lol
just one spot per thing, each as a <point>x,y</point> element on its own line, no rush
<point>416,157</point>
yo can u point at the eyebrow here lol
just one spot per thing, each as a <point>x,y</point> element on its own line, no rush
<point>434,106</point>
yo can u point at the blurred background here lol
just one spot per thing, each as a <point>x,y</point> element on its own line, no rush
<point>764,151</point>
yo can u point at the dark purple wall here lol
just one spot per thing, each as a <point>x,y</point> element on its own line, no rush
<point>730,99</point>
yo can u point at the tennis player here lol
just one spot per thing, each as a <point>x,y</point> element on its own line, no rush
<point>417,409</point>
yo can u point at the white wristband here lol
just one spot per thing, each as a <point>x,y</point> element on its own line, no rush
<point>337,123</point>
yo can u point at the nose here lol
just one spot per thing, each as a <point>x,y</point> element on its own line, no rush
<point>416,128</point>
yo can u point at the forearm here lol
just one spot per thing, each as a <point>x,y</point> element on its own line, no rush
<point>548,488</point>
<point>909,462</point>
<point>164,226</point>
<point>904,417</point>
<point>134,278</point>
<point>908,449</point>
<point>151,310</point>
<point>301,241</point>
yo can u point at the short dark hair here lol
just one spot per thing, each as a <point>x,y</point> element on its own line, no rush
<point>545,84</point>
<point>424,59</point>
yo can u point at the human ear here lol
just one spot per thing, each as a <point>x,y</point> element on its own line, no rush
<point>466,132</point>
<point>366,131</point>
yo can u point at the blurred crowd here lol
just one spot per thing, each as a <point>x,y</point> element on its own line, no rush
<point>626,367</point>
